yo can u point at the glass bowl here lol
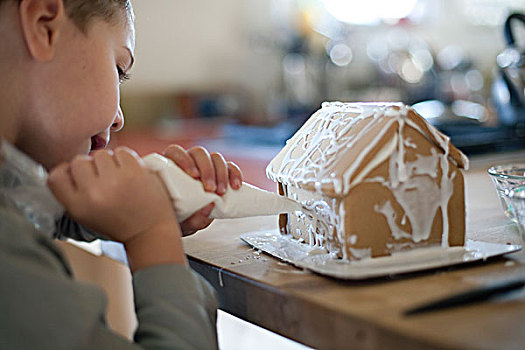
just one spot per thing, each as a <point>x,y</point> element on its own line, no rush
<point>516,197</point>
<point>506,178</point>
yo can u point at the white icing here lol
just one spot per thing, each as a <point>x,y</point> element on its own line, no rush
<point>317,251</point>
<point>446,184</point>
<point>420,212</point>
<point>418,178</point>
<point>319,220</point>
<point>398,247</point>
<point>382,155</point>
<point>341,232</point>
<point>317,223</point>
<point>390,215</point>
<point>424,165</point>
<point>361,253</point>
<point>409,143</point>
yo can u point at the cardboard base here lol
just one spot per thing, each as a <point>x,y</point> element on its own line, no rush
<point>286,248</point>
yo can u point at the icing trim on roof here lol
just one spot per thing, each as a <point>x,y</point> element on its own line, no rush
<point>309,159</point>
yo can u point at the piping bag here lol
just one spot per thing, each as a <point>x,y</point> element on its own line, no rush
<point>188,195</point>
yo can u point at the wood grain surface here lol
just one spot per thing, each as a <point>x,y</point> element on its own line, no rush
<point>326,313</point>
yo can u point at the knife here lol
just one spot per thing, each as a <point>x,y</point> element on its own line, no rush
<point>469,297</point>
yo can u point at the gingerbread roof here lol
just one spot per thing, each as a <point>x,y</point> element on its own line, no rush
<point>342,142</point>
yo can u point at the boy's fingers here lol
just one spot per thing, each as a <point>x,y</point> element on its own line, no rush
<point>127,157</point>
<point>183,160</point>
<point>235,175</point>
<point>206,211</point>
<point>221,172</point>
<point>104,162</point>
<point>204,164</point>
<point>82,171</point>
<point>61,183</point>
<point>198,221</point>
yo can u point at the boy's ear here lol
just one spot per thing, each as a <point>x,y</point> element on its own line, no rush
<point>41,22</point>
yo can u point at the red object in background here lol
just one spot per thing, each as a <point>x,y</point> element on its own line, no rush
<point>185,104</point>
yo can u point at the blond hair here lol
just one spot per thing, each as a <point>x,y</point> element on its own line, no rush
<point>83,11</point>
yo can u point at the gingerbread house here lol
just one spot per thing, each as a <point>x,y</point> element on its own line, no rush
<point>376,179</point>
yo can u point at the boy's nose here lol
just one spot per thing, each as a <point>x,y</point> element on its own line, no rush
<point>118,123</point>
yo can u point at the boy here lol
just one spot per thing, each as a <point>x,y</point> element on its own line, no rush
<point>61,63</point>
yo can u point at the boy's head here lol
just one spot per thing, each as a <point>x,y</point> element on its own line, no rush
<point>63,61</point>
<point>82,11</point>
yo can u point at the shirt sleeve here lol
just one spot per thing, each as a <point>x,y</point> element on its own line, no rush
<point>66,227</point>
<point>183,301</point>
<point>42,307</point>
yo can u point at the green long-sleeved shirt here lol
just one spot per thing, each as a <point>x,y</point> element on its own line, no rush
<point>43,307</point>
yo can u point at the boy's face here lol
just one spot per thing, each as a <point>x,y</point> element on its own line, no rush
<point>79,100</point>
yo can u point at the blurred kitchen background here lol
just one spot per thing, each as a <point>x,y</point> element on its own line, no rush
<point>240,76</point>
<point>251,71</point>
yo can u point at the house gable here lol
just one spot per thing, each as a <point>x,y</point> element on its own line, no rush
<point>342,142</point>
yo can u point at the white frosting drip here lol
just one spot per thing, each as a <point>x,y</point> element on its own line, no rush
<point>323,220</point>
<point>424,165</point>
<point>361,253</point>
<point>391,217</point>
<point>397,247</point>
<point>408,180</point>
<point>382,155</point>
<point>447,186</point>
<point>317,251</point>
<point>420,213</point>
<point>318,222</point>
<point>409,143</point>
<point>341,234</point>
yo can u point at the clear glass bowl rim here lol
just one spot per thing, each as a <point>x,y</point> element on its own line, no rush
<point>496,170</point>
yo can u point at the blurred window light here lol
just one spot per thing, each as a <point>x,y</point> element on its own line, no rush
<point>369,11</point>
<point>410,72</point>
<point>377,49</point>
<point>508,57</point>
<point>430,109</point>
<point>398,39</point>
<point>341,55</point>
<point>458,83</point>
<point>490,12</point>
<point>294,64</point>
<point>468,109</point>
<point>501,91</point>
<point>451,57</point>
<point>422,58</point>
<point>474,80</point>
<point>394,62</point>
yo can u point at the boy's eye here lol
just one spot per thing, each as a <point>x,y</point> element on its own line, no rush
<point>121,75</point>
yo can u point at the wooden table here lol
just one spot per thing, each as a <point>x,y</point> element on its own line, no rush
<point>330,314</point>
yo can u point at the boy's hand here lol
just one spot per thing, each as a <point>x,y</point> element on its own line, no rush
<point>112,193</point>
<point>213,171</point>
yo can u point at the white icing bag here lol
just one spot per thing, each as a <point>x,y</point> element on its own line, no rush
<point>188,195</point>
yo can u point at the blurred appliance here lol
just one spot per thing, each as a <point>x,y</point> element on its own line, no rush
<point>466,121</point>
<point>508,89</point>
